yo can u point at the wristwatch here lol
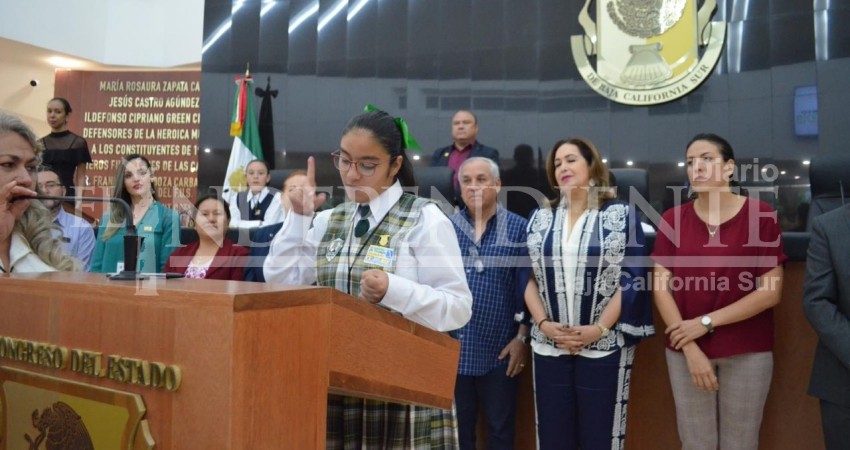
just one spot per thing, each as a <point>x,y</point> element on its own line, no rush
<point>603,331</point>
<point>522,338</point>
<point>706,322</point>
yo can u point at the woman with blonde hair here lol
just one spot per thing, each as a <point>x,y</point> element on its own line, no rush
<point>156,224</point>
<point>26,240</point>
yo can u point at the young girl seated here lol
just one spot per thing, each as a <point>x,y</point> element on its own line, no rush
<point>259,205</point>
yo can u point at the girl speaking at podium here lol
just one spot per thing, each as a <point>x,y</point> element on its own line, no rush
<point>383,246</point>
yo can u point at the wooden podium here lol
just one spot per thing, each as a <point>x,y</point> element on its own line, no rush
<point>257,360</point>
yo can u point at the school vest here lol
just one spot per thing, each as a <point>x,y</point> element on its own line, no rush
<point>340,263</point>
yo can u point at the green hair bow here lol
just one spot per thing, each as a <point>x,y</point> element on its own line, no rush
<point>408,140</point>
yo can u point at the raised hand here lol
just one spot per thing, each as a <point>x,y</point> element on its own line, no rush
<point>12,206</point>
<point>304,200</point>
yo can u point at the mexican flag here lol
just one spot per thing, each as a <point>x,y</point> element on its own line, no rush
<point>246,142</point>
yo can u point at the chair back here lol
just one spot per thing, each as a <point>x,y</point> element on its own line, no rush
<point>435,183</point>
<point>829,175</point>
<point>631,182</point>
<point>277,177</point>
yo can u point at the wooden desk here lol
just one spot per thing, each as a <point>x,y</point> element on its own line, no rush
<point>257,360</point>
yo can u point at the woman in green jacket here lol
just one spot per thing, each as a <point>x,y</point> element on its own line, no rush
<point>156,224</point>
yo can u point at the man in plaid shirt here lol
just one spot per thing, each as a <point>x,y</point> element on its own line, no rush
<point>493,344</point>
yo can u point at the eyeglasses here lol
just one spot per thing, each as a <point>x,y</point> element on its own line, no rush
<point>49,185</point>
<point>344,164</point>
<point>477,263</point>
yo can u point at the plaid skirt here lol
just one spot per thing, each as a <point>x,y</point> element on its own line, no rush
<point>358,424</point>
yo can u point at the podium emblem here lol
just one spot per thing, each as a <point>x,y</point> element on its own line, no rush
<point>646,52</point>
<point>59,424</point>
<point>41,412</point>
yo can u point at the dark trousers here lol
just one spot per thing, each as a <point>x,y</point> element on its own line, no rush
<point>581,402</point>
<point>836,425</point>
<point>496,393</point>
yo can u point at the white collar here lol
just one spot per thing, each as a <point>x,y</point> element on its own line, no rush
<point>260,196</point>
<point>18,252</point>
<point>380,205</point>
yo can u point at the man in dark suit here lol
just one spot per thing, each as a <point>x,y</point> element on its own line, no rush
<point>465,145</point>
<point>826,302</point>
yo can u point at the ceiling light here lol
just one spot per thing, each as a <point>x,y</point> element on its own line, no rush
<point>302,16</point>
<point>60,62</point>
<point>356,9</point>
<point>325,18</point>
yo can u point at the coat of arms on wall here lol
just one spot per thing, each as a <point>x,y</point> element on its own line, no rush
<point>647,52</point>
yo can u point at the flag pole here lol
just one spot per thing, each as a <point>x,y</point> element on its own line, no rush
<point>246,140</point>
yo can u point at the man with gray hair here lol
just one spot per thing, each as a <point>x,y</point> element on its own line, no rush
<point>493,349</point>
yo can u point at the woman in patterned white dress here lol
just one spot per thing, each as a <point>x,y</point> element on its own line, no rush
<point>588,303</point>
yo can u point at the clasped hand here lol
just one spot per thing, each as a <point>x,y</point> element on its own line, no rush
<point>571,339</point>
<point>684,332</point>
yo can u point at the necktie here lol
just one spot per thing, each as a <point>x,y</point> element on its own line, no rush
<point>363,224</point>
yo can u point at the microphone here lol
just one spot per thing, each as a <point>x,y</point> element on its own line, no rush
<point>131,239</point>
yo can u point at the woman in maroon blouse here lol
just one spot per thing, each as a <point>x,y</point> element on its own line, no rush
<point>718,273</point>
<point>213,255</point>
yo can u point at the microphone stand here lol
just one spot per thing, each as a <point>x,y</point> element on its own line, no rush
<point>131,238</point>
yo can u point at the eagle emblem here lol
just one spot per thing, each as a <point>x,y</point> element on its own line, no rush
<point>59,428</point>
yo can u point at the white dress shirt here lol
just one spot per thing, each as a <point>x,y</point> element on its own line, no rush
<point>571,252</point>
<point>77,236</point>
<point>274,213</point>
<point>428,286</point>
